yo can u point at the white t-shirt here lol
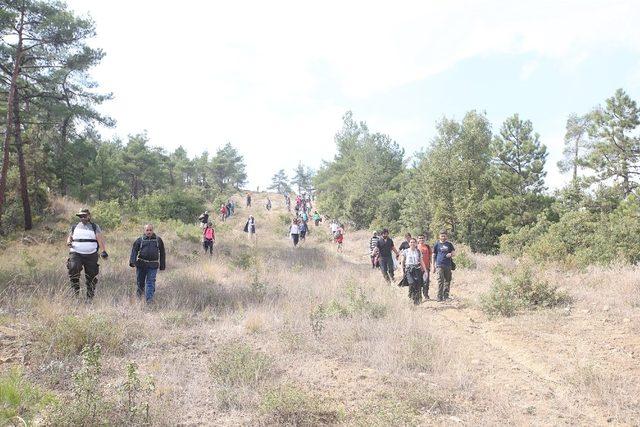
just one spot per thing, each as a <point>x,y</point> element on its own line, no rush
<point>412,257</point>
<point>294,229</point>
<point>334,227</point>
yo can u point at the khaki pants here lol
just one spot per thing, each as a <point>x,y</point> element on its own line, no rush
<point>443,273</point>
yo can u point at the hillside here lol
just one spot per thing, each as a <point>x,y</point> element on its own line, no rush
<point>269,334</point>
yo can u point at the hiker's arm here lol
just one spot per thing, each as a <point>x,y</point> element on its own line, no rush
<point>102,247</point>
<point>422,264</point>
<point>70,238</point>
<point>393,248</point>
<point>134,253</point>
<point>163,264</point>
<point>452,253</point>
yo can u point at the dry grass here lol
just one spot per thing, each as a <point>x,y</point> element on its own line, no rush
<point>272,334</point>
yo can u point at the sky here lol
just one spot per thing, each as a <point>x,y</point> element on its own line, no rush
<point>275,78</point>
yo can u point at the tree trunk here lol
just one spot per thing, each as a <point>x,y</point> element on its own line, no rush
<point>24,189</point>
<point>62,155</point>
<point>13,94</point>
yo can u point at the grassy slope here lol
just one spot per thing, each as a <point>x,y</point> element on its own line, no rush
<point>269,334</point>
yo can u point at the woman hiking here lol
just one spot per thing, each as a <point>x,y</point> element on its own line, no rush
<point>294,232</point>
<point>414,267</point>
<point>208,238</point>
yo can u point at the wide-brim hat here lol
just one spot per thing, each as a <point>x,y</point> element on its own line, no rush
<point>83,212</point>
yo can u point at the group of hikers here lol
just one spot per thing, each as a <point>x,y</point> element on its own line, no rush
<point>414,257</point>
<point>87,244</point>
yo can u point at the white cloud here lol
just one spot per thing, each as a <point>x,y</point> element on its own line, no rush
<point>274,78</point>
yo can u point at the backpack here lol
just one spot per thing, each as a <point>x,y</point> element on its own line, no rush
<point>142,241</point>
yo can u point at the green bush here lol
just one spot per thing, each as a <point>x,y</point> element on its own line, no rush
<point>182,205</point>
<point>464,260</point>
<point>237,364</point>
<point>107,214</point>
<point>289,405</point>
<point>520,289</point>
<point>69,335</point>
<point>20,401</point>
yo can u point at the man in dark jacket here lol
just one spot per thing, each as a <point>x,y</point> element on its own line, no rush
<point>147,256</point>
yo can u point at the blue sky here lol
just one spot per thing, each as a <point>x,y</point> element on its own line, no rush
<point>275,78</point>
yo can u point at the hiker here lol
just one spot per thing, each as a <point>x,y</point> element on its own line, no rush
<point>250,227</point>
<point>204,219</point>
<point>85,241</point>
<point>303,230</point>
<point>223,212</point>
<point>233,206</point>
<point>383,249</point>
<point>316,218</point>
<point>229,209</point>
<point>294,232</point>
<point>339,237</point>
<point>147,256</point>
<point>333,226</point>
<point>268,206</point>
<point>413,267</point>
<point>248,200</point>
<point>208,238</point>
<point>443,252</point>
<point>373,243</point>
<point>405,243</point>
<point>425,249</point>
<point>304,216</point>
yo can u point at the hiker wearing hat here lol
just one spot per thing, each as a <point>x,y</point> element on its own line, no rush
<point>147,256</point>
<point>85,241</point>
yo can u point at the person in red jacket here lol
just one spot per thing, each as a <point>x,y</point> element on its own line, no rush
<point>208,238</point>
<point>223,212</point>
<point>426,251</point>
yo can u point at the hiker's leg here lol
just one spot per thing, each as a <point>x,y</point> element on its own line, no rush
<point>447,281</point>
<point>141,274</point>
<point>91,269</point>
<point>74,267</point>
<point>151,283</point>
<point>425,286</point>
<point>384,267</point>
<point>440,277</point>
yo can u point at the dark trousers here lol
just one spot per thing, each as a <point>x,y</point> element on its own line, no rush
<point>295,238</point>
<point>414,278</point>
<point>75,264</point>
<point>443,273</point>
<point>425,285</point>
<point>146,277</point>
<point>208,246</point>
<point>386,266</point>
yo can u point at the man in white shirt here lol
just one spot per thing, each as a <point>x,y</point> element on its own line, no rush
<point>85,241</point>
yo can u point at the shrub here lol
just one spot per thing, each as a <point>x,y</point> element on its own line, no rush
<point>182,205</point>
<point>519,290</point>
<point>288,405</point>
<point>107,214</point>
<point>464,260</point>
<point>68,335</point>
<point>240,372</point>
<point>237,364</point>
<point>20,401</point>
<point>91,406</point>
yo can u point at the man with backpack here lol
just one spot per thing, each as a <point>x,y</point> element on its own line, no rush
<point>208,238</point>
<point>147,256</point>
<point>85,241</point>
<point>443,252</point>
